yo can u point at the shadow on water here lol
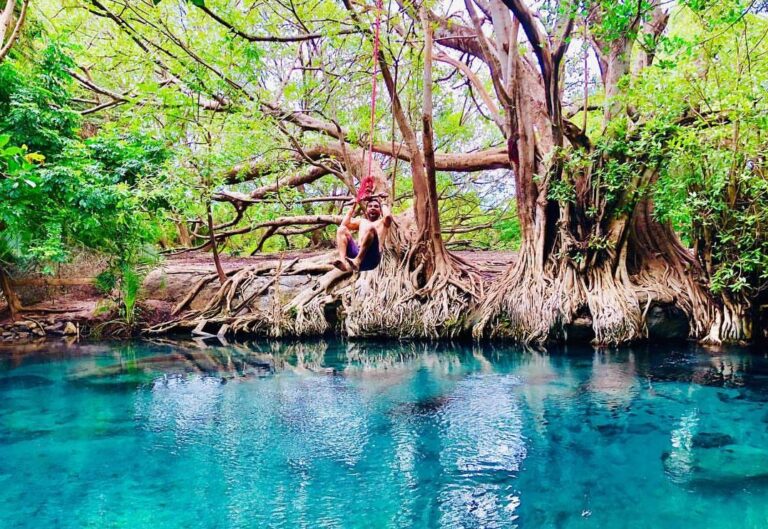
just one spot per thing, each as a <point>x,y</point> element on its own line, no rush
<point>23,382</point>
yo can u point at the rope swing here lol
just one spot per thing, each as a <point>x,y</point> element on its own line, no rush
<point>367,183</point>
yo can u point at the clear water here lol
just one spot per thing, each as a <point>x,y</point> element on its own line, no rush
<point>328,434</point>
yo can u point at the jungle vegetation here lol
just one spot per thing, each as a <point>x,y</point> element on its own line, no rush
<point>619,147</point>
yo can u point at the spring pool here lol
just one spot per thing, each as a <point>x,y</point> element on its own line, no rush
<point>334,434</point>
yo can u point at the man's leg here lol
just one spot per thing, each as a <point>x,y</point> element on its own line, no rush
<point>343,236</point>
<point>366,237</point>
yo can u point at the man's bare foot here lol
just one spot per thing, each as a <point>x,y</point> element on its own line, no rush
<point>353,264</point>
<point>342,265</point>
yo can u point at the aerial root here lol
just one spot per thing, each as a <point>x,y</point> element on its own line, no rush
<point>731,324</point>
<point>533,306</point>
<point>389,301</point>
<point>237,302</point>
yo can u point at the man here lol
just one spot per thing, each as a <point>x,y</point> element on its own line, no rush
<point>365,254</point>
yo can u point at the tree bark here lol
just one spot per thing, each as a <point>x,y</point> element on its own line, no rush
<point>7,23</point>
<point>6,18</point>
<point>184,238</point>
<point>11,298</point>
<point>214,247</point>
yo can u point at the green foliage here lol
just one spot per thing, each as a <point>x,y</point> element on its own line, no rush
<point>62,193</point>
<point>562,191</point>
<point>129,156</point>
<point>509,233</point>
<point>718,199</point>
<point>74,202</point>
<point>712,187</point>
<point>106,281</point>
<point>618,16</point>
<point>35,104</point>
<point>130,284</point>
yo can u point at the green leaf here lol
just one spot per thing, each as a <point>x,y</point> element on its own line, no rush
<point>12,151</point>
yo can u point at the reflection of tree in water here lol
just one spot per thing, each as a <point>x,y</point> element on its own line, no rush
<point>233,361</point>
<point>257,358</point>
<point>691,363</point>
<point>369,358</point>
<point>13,355</point>
<point>614,382</point>
<point>723,370</point>
<point>384,366</point>
<point>537,374</point>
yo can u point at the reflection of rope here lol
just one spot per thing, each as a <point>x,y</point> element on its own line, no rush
<point>368,180</point>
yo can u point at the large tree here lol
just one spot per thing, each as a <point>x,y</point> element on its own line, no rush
<point>305,80</point>
<point>267,106</point>
<point>591,244</point>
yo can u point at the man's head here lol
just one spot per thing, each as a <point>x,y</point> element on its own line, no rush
<point>373,209</point>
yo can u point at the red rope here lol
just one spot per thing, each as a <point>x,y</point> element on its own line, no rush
<point>366,185</point>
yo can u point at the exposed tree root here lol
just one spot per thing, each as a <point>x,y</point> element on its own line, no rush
<point>525,306</point>
<point>732,323</point>
<point>532,306</point>
<point>387,301</point>
<point>538,308</point>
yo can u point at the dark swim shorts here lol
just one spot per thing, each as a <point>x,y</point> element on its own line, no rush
<point>372,256</point>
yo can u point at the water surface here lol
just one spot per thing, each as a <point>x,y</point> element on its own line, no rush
<point>333,434</point>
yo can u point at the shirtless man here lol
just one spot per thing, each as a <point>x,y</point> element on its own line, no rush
<point>365,254</point>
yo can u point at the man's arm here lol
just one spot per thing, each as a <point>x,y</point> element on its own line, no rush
<point>387,213</point>
<point>349,220</point>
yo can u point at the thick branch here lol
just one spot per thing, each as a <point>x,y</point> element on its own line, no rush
<point>452,34</point>
<point>653,27</point>
<point>536,36</point>
<point>456,162</point>
<point>477,84</point>
<point>5,20</point>
<point>428,133</point>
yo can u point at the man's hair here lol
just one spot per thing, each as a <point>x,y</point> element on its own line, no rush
<point>374,199</point>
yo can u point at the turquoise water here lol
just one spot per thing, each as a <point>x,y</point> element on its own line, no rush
<point>329,434</point>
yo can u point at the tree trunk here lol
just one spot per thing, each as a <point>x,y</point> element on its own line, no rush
<point>11,298</point>
<point>184,238</point>
<point>214,248</point>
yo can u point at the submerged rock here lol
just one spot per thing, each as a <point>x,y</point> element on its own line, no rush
<point>712,440</point>
<point>731,463</point>
<point>734,463</point>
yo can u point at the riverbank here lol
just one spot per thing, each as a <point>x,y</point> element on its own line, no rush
<point>70,304</point>
<point>183,295</point>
